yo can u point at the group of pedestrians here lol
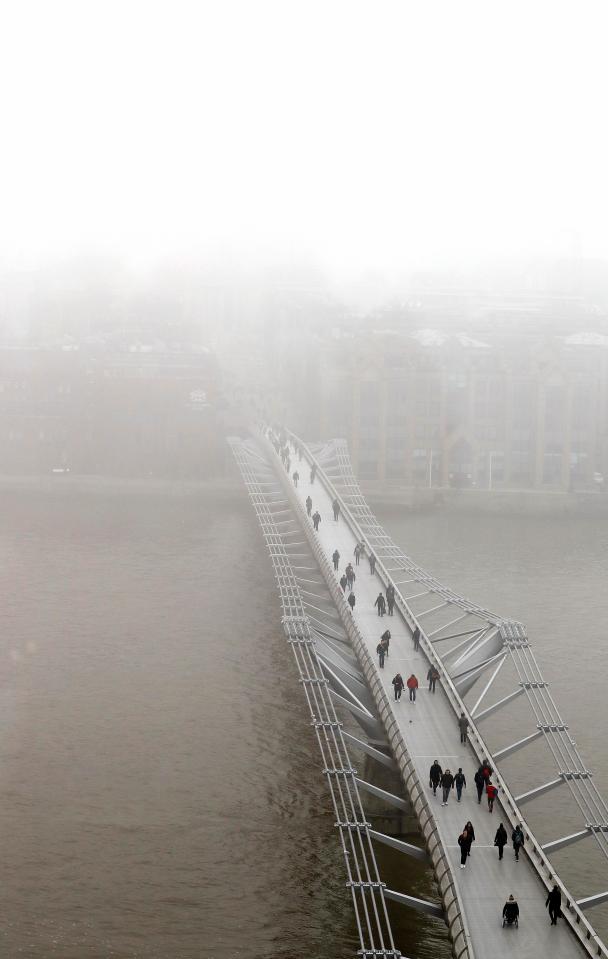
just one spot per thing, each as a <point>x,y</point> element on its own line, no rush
<point>438,777</point>
<point>483,776</point>
<point>553,902</point>
<point>447,781</point>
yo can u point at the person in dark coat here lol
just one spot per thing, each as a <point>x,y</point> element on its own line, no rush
<point>510,910</point>
<point>480,784</point>
<point>471,833</point>
<point>390,598</point>
<point>460,783</point>
<point>372,563</point>
<point>464,841</point>
<point>447,784</point>
<point>336,508</point>
<point>381,604</point>
<point>517,838</point>
<point>416,639</point>
<point>386,639</point>
<point>381,652</point>
<point>435,774</point>
<point>500,840</point>
<point>316,519</point>
<point>432,676</point>
<point>296,477</point>
<point>308,505</point>
<point>336,559</point>
<point>357,554</point>
<point>398,685</point>
<point>351,600</point>
<point>463,724</point>
<point>350,576</point>
<point>554,903</point>
<point>343,582</point>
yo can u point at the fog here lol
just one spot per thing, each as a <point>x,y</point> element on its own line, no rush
<point>359,137</point>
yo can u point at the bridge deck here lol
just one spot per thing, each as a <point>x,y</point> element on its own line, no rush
<point>431,732</point>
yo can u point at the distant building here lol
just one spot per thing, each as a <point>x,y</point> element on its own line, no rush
<point>95,410</point>
<point>429,407</point>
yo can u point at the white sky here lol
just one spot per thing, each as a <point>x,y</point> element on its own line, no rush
<point>372,134</point>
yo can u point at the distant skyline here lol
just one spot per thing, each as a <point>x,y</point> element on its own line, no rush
<point>387,137</point>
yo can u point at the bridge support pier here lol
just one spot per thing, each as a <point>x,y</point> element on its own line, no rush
<point>386,816</point>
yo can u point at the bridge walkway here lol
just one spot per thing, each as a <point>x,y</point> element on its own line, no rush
<point>430,731</point>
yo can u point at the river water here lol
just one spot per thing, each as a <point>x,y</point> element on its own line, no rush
<point>160,790</point>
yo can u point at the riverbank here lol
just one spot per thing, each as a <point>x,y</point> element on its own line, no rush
<point>62,484</point>
<point>517,501</point>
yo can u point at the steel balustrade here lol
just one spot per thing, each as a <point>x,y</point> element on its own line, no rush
<point>367,891</point>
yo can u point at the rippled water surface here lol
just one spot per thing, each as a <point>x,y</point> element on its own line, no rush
<point>160,790</point>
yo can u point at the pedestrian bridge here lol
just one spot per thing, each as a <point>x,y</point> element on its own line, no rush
<point>487,669</point>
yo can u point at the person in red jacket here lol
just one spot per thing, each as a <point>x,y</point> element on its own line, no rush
<point>412,685</point>
<point>492,793</point>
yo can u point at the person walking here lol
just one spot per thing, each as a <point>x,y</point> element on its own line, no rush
<point>381,604</point>
<point>351,601</point>
<point>491,793</point>
<point>390,598</point>
<point>343,582</point>
<point>308,505</point>
<point>372,563</point>
<point>336,558</point>
<point>295,478</point>
<point>471,833</point>
<point>435,774</point>
<point>336,508</point>
<point>350,576</point>
<point>432,676</point>
<point>398,684</point>
<point>480,784</point>
<point>460,783</point>
<point>463,724</point>
<point>416,639</point>
<point>381,652</point>
<point>517,838</point>
<point>386,639</point>
<point>447,784</point>
<point>500,840</point>
<point>554,903</point>
<point>357,554</point>
<point>316,519</point>
<point>464,841</point>
<point>486,769</point>
<point>412,685</point>
<point>313,473</point>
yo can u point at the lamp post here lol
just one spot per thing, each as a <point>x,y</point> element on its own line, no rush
<point>491,454</point>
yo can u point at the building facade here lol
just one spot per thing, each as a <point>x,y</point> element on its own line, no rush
<point>429,408</point>
<point>110,412</point>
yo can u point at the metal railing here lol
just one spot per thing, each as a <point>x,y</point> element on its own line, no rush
<point>366,889</point>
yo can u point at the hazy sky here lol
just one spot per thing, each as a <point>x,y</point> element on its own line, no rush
<point>358,134</point>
